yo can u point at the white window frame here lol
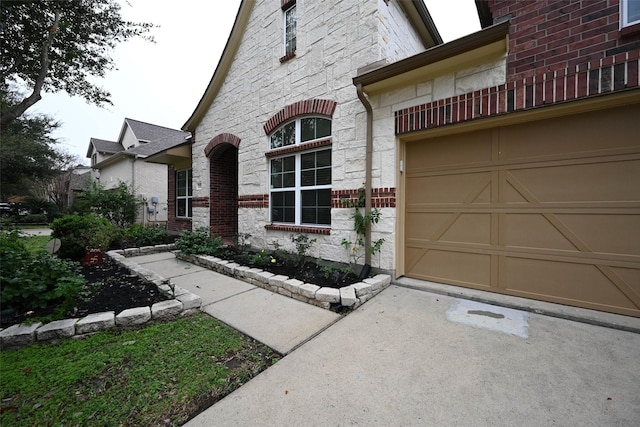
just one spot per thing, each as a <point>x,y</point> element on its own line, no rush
<point>624,13</point>
<point>298,188</point>
<point>286,30</point>
<point>188,197</point>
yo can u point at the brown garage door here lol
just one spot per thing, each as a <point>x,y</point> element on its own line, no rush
<point>548,210</point>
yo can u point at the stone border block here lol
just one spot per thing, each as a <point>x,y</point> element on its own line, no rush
<point>64,328</point>
<point>308,290</point>
<point>166,309</point>
<point>293,285</point>
<point>347,296</point>
<point>189,300</point>
<point>18,335</point>
<point>134,316</point>
<point>362,289</point>
<point>264,277</point>
<point>96,322</point>
<point>328,295</point>
<point>278,280</point>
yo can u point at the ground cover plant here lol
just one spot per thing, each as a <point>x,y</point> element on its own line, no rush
<point>163,374</point>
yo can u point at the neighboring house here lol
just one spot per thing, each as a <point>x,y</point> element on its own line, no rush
<point>507,160</point>
<point>124,161</point>
<point>79,179</point>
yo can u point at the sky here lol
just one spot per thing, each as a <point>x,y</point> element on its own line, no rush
<point>161,83</point>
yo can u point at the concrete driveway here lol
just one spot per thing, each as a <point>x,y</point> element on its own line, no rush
<point>415,358</point>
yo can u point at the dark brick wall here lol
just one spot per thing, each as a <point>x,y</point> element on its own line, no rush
<point>224,192</point>
<point>549,35</point>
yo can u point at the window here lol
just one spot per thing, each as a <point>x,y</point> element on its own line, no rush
<point>630,12</point>
<point>290,30</point>
<point>184,194</point>
<point>300,183</point>
<point>301,130</point>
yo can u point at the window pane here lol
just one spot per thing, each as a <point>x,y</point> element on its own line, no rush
<point>308,129</point>
<point>633,10</point>
<point>312,174</point>
<point>276,139</point>
<point>289,134</point>
<point>316,207</point>
<point>181,183</point>
<point>181,207</point>
<point>323,176</point>
<point>282,206</point>
<point>189,184</point>
<point>323,158</point>
<point>308,161</point>
<point>189,208</point>
<point>323,128</point>
<point>276,181</point>
<point>283,172</point>
<point>289,164</point>
<point>290,30</point>
<point>289,180</point>
<point>308,178</point>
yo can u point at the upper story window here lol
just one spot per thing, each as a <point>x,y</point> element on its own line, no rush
<point>629,12</point>
<point>290,30</point>
<point>299,131</point>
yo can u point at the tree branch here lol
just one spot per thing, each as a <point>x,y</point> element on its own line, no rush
<point>17,110</point>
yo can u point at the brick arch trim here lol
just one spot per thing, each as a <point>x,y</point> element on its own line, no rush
<point>222,138</point>
<point>323,107</point>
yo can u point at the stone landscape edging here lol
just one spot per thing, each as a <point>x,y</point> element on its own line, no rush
<point>351,296</point>
<point>184,303</point>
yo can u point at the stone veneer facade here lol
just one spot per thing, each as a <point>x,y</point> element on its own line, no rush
<point>261,83</point>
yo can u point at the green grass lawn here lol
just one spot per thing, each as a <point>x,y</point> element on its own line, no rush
<point>36,243</point>
<point>160,375</point>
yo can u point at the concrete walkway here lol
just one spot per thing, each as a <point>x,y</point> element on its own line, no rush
<point>281,323</point>
<point>412,358</point>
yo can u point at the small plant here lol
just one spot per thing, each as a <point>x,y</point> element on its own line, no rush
<point>139,235</point>
<point>262,259</point>
<point>302,243</point>
<point>199,243</point>
<point>280,255</point>
<point>356,249</point>
<point>242,241</point>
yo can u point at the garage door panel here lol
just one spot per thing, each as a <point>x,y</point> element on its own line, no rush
<point>606,181</point>
<point>618,130</point>
<point>468,269</point>
<point>552,214</point>
<point>450,188</point>
<point>564,282</point>
<point>606,234</point>
<point>533,231</point>
<point>466,149</point>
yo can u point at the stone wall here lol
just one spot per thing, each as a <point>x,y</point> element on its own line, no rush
<point>334,40</point>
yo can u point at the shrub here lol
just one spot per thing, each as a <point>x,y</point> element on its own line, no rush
<point>77,232</point>
<point>43,280</point>
<point>13,252</point>
<point>31,219</point>
<point>199,243</point>
<point>118,205</point>
<point>138,235</point>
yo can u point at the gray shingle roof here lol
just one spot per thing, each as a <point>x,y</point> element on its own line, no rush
<point>158,138</point>
<point>104,146</point>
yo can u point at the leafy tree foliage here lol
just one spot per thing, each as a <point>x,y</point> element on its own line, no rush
<point>118,205</point>
<point>59,45</point>
<point>27,153</point>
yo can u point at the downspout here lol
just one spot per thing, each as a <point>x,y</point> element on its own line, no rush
<point>368,171</point>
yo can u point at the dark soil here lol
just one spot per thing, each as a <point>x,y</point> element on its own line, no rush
<point>110,288</point>
<point>328,275</point>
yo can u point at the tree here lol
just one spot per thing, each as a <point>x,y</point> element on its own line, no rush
<point>118,205</point>
<point>58,45</point>
<point>27,153</point>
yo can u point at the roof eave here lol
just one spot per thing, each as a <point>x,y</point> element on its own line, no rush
<point>448,50</point>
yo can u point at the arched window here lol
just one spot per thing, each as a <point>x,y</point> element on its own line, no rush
<point>300,180</point>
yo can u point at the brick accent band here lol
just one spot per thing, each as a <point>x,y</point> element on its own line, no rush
<point>322,107</point>
<point>298,229</point>
<point>607,75</point>
<point>200,202</point>
<point>254,201</point>
<point>301,147</point>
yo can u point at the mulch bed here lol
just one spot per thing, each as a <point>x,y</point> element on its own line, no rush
<point>110,288</point>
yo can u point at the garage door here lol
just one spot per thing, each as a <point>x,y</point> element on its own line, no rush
<point>548,210</point>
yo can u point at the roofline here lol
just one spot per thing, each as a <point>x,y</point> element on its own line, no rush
<point>233,42</point>
<point>151,157</point>
<point>435,54</point>
<point>422,10</point>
